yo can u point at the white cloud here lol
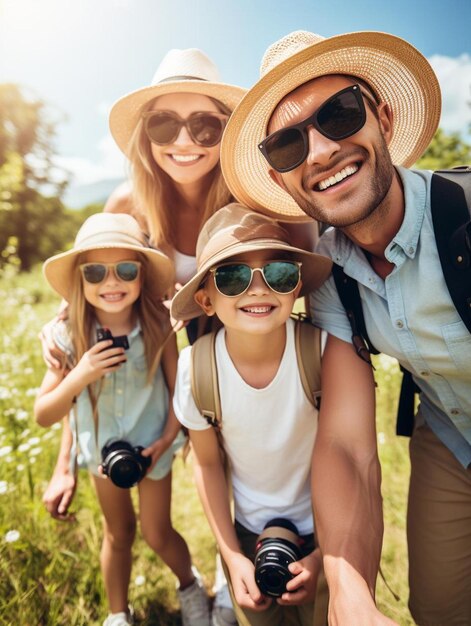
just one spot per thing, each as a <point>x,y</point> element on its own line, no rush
<point>454,76</point>
<point>111,164</point>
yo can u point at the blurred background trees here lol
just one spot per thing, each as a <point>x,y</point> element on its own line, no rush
<point>34,223</point>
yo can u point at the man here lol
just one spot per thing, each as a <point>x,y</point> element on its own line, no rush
<point>325,130</point>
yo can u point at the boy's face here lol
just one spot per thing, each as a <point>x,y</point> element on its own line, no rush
<point>259,309</point>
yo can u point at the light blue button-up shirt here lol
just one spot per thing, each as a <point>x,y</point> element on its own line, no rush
<point>409,315</point>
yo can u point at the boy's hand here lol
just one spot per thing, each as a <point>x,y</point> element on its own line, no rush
<point>246,592</point>
<point>101,359</point>
<point>302,588</point>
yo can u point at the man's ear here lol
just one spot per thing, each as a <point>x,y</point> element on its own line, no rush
<point>385,117</point>
<point>277,178</point>
<point>204,301</point>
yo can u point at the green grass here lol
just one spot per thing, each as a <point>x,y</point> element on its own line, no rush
<point>49,575</point>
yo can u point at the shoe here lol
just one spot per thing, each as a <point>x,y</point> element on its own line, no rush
<point>120,619</point>
<point>194,603</point>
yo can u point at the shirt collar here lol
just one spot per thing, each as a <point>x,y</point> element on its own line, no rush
<point>415,196</point>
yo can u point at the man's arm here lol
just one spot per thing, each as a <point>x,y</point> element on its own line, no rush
<point>346,487</point>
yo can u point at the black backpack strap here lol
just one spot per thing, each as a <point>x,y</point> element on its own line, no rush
<point>349,295</point>
<point>451,202</point>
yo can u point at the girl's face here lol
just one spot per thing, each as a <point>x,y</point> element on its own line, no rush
<point>183,160</point>
<point>113,295</point>
<point>259,310</point>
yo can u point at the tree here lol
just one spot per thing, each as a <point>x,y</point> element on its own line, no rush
<point>31,185</point>
<point>445,151</point>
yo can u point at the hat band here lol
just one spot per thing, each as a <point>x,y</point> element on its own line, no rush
<point>166,80</point>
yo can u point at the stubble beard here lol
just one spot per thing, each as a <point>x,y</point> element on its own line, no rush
<point>370,199</point>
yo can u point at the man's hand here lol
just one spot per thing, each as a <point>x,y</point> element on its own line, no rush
<point>59,494</point>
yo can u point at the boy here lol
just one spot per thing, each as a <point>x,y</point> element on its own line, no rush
<point>250,276</point>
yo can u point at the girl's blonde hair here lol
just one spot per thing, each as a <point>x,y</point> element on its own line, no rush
<point>155,193</point>
<point>152,315</point>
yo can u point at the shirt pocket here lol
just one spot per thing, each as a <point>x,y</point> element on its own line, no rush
<point>458,340</point>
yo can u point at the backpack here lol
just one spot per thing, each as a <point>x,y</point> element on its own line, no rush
<point>451,217</point>
<point>204,376</point>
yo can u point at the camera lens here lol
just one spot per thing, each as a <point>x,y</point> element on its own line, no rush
<point>276,549</point>
<point>123,464</point>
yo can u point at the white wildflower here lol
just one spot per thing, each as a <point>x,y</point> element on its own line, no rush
<point>11,536</point>
<point>5,450</point>
<point>139,580</point>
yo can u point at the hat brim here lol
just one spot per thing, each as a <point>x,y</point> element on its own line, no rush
<point>315,270</point>
<point>126,112</point>
<point>59,269</point>
<point>398,73</point>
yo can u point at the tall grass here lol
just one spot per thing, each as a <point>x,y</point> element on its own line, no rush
<point>49,571</point>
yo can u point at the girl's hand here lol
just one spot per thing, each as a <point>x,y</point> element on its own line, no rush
<point>155,450</point>
<point>302,588</point>
<point>101,359</point>
<point>246,592</point>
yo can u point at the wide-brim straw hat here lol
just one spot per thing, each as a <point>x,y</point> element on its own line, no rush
<point>398,74</point>
<point>233,230</point>
<point>110,230</point>
<point>181,71</point>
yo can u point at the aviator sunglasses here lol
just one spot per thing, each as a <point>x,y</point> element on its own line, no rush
<point>233,279</point>
<point>96,273</point>
<point>204,128</point>
<point>339,117</point>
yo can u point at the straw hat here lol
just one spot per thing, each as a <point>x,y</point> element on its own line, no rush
<point>395,70</point>
<point>181,71</point>
<point>233,230</point>
<point>109,230</point>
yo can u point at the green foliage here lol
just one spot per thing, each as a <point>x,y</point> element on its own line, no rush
<point>445,151</point>
<point>30,185</point>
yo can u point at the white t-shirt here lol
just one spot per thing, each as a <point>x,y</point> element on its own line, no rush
<point>268,435</point>
<point>185,266</point>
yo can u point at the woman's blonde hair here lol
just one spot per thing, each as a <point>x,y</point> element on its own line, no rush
<point>155,193</point>
<point>151,314</point>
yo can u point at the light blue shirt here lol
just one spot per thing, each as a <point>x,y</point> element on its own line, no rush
<point>129,406</point>
<point>409,315</point>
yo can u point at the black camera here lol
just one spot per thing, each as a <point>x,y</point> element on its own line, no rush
<point>118,342</point>
<point>277,547</point>
<point>124,463</point>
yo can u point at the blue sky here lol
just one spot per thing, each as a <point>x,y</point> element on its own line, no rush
<point>81,55</point>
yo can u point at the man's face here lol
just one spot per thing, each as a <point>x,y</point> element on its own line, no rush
<point>360,165</point>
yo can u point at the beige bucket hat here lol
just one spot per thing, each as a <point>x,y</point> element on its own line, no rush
<point>109,230</point>
<point>181,71</point>
<point>233,230</point>
<point>398,73</point>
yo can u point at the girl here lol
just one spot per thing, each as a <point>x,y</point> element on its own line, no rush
<point>112,280</point>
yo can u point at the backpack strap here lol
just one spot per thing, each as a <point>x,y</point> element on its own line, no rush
<point>349,294</point>
<point>307,341</point>
<point>451,210</point>
<point>204,379</point>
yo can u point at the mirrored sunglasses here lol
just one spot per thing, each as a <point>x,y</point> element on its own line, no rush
<point>96,273</point>
<point>204,128</point>
<point>337,118</point>
<point>233,279</point>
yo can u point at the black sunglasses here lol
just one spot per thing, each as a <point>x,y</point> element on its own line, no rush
<point>204,128</point>
<point>96,273</point>
<point>339,117</point>
<point>233,279</point>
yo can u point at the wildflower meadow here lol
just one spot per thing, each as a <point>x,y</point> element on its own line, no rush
<point>49,570</point>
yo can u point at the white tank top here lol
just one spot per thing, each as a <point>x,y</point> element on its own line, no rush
<point>185,266</point>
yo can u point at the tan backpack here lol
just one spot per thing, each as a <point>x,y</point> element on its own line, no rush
<point>204,375</point>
